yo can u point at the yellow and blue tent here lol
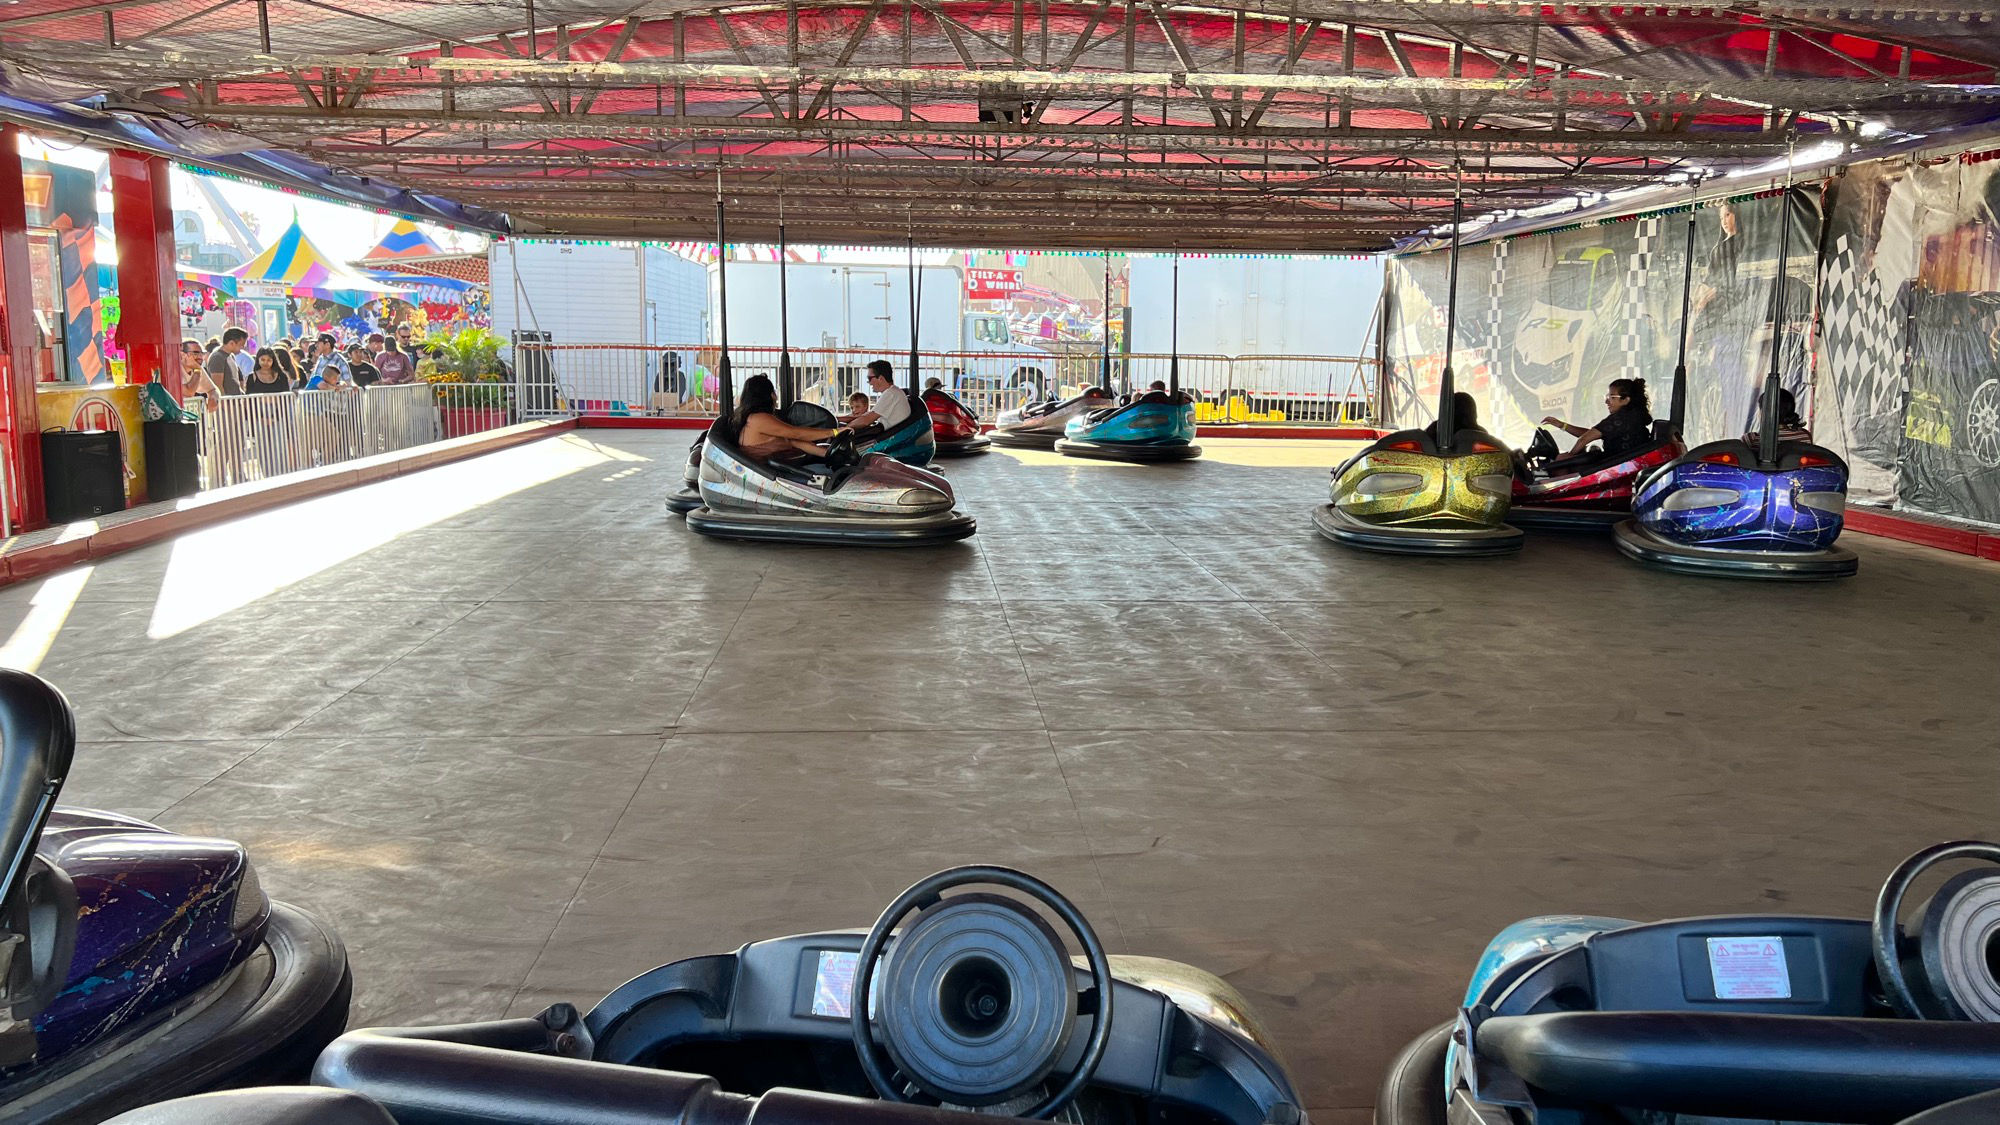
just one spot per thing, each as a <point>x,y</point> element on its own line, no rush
<point>304,271</point>
<point>404,240</point>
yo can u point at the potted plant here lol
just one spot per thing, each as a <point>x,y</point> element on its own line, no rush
<point>471,393</point>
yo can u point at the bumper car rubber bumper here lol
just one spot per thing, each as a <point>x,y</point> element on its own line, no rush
<point>1438,541</point>
<point>686,499</point>
<point>1025,439</point>
<point>1412,1091</point>
<point>965,448</point>
<point>1565,517</point>
<point>1140,453</point>
<point>1636,542</point>
<point>262,1024</point>
<point>868,531</point>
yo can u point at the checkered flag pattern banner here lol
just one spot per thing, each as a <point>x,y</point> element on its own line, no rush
<point>1861,343</point>
<point>1632,340</point>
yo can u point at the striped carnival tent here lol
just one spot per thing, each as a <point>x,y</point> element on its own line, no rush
<point>404,240</point>
<point>302,270</point>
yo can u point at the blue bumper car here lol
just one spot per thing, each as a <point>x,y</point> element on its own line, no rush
<point>1727,1019</point>
<point>913,441</point>
<point>137,964</point>
<point>1153,427</point>
<point>1722,509</point>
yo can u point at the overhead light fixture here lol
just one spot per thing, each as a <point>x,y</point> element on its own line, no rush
<point>1817,154</point>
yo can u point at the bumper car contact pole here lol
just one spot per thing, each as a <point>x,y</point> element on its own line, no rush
<point>1767,422</point>
<point>1677,395</point>
<point>1104,328</point>
<point>785,394</point>
<point>1447,425</point>
<point>916,302</point>
<point>726,392</point>
<point>1174,331</point>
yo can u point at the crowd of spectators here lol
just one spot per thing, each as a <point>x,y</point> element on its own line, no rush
<point>228,365</point>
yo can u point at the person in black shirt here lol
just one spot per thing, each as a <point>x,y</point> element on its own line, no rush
<point>267,377</point>
<point>1626,428</point>
<point>357,362</point>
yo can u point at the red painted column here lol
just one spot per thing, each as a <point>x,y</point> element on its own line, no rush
<point>20,417</point>
<point>142,217</point>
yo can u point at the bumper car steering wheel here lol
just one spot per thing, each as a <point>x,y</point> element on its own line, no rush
<point>1950,943</point>
<point>1542,450</point>
<point>843,450</point>
<point>978,1000</point>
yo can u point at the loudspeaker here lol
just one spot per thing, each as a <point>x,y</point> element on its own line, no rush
<point>83,473</point>
<point>173,461</point>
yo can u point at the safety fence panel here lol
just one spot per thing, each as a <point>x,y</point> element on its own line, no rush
<point>259,436</point>
<point>398,417</point>
<point>668,380</point>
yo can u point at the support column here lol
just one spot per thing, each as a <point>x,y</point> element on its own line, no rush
<point>20,417</point>
<point>142,217</point>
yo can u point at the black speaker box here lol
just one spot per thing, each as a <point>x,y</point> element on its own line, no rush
<point>83,474</point>
<point>173,459</point>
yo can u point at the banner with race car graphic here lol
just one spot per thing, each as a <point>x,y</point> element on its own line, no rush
<point>1910,331</point>
<point>1547,320</point>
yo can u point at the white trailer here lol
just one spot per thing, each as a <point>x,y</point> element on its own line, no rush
<point>864,307</point>
<point>1277,318</point>
<point>589,294</point>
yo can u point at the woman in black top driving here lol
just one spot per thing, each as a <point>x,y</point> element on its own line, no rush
<point>1626,428</point>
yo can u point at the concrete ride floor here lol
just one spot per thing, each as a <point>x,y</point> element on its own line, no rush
<point>520,735</point>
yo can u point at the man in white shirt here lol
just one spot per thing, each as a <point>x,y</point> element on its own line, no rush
<point>891,406</point>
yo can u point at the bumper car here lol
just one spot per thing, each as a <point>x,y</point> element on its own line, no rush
<point>913,441</point>
<point>1588,493</point>
<point>137,964</point>
<point>1443,490</point>
<point>853,497</point>
<point>958,1005</point>
<point>1734,509</point>
<point>954,427</point>
<point>1039,425</point>
<point>1152,427</point>
<point>1412,494</point>
<point>1739,1019</point>
<point>1722,509</point>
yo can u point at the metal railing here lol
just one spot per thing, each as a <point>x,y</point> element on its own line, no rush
<point>259,436</point>
<point>665,380</point>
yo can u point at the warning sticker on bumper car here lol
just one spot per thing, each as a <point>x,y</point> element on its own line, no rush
<point>1749,968</point>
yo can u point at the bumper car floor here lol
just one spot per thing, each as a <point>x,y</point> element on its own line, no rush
<point>518,734</point>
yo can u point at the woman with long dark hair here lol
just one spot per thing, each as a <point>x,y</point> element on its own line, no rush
<point>287,365</point>
<point>1626,428</point>
<point>761,433</point>
<point>266,377</point>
